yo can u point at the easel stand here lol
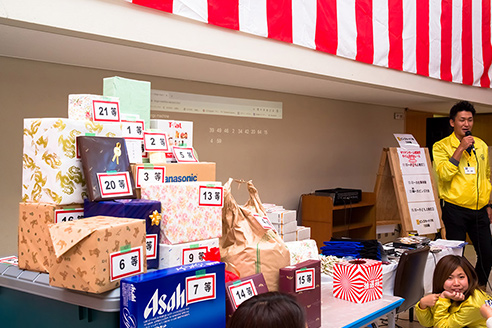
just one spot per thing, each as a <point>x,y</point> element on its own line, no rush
<point>391,199</point>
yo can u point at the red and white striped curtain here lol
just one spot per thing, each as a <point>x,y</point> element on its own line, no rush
<point>447,39</point>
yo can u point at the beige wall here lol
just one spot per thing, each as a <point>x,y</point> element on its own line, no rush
<point>319,143</point>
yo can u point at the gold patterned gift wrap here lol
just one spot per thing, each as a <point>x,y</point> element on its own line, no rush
<point>35,249</point>
<point>95,253</point>
<point>52,170</point>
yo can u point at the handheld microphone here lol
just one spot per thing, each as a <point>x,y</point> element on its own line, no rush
<point>472,147</point>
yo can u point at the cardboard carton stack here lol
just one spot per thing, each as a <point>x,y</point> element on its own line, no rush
<point>285,222</point>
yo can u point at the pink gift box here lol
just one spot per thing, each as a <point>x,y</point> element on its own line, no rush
<point>358,281</point>
<point>184,217</point>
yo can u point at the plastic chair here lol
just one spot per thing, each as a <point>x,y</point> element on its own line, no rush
<point>409,278</point>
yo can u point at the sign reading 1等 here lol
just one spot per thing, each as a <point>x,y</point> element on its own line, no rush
<point>105,111</point>
<point>133,130</point>
<point>211,196</point>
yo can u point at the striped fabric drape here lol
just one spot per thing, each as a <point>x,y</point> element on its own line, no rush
<point>447,39</point>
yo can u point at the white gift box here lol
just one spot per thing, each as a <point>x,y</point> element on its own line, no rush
<point>303,233</point>
<point>286,228</point>
<point>291,236</point>
<point>52,170</point>
<point>185,253</point>
<point>83,106</point>
<point>282,216</point>
<point>301,251</point>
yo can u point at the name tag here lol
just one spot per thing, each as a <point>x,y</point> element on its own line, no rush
<point>470,170</point>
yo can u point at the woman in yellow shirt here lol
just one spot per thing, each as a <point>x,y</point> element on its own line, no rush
<point>456,298</point>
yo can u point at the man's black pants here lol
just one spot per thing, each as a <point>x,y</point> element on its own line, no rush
<point>459,221</point>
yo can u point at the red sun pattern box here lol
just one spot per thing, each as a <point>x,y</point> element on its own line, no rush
<point>358,281</point>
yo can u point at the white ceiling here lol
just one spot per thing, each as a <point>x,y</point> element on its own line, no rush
<point>56,46</point>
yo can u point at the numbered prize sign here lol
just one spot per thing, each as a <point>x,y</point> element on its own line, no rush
<point>150,175</point>
<point>200,288</point>
<point>151,247</point>
<point>133,130</point>
<point>105,111</point>
<point>193,254</point>
<point>124,264</point>
<point>211,196</point>
<point>305,279</point>
<point>114,184</point>
<point>66,215</point>
<point>154,141</point>
<point>184,155</point>
<point>264,221</point>
<point>242,292</point>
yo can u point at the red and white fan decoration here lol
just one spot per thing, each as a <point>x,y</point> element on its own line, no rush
<point>358,281</point>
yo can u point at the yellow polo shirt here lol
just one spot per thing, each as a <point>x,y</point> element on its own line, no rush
<point>455,185</point>
<point>450,314</point>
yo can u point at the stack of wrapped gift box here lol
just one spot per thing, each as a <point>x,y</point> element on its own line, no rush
<point>92,166</point>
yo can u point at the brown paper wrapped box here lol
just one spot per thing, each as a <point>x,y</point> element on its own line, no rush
<point>35,249</point>
<point>93,254</point>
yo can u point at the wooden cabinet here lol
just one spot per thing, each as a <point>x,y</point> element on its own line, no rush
<point>351,220</point>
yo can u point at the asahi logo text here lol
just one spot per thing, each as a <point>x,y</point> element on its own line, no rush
<point>160,304</point>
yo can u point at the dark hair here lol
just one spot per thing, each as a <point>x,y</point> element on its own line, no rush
<point>459,107</point>
<point>269,310</point>
<point>446,266</point>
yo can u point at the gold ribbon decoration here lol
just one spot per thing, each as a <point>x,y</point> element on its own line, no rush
<point>156,218</point>
<point>117,153</point>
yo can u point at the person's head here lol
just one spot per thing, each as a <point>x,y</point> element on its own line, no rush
<point>268,310</point>
<point>454,273</point>
<point>461,118</point>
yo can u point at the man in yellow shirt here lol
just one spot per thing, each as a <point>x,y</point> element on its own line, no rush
<point>461,162</point>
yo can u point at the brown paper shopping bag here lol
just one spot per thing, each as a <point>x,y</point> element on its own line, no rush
<point>247,245</point>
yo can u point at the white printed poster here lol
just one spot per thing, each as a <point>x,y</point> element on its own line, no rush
<point>413,161</point>
<point>425,218</point>
<point>406,141</point>
<point>418,188</point>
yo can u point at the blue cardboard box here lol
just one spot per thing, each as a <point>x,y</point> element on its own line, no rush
<point>187,296</point>
<point>148,210</point>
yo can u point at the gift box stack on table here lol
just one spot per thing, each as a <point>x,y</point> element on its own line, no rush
<point>98,211</point>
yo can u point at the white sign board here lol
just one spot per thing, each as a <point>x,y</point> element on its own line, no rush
<point>418,188</point>
<point>425,218</point>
